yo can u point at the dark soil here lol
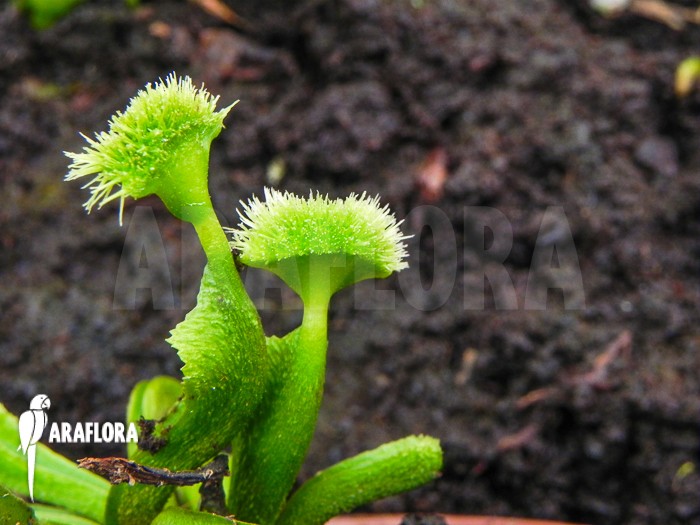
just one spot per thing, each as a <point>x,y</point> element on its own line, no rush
<point>587,410</point>
<point>421,519</point>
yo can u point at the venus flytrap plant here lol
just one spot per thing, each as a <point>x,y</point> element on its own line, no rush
<point>259,396</point>
<point>160,145</point>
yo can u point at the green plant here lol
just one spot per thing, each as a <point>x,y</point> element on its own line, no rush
<point>45,13</point>
<point>257,395</point>
<point>687,75</point>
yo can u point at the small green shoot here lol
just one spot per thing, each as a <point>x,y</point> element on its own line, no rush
<point>687,76</point>
<point>45,13</point>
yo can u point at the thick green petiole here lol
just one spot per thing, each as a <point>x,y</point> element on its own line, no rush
<point>267,459</point>
<point>387,470</point>
<point>222,345</point>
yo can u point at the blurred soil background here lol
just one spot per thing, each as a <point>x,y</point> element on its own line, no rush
<point>564,121</point>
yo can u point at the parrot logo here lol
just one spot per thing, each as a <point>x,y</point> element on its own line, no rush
<point>31,426</point>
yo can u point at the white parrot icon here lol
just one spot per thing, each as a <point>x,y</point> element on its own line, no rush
<point>31,426</point>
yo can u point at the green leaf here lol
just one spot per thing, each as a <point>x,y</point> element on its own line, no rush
<point>152,399</point>
<point>44,13</point>
<point>317,246</point>
<point>57,480</point>
<point>387,470</point>
<point>13,510</point>
<point>177,516</point>
<point>55,516</point>
<point>223,348</point>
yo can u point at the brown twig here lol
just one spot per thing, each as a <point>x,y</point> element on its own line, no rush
<point>432,175</point>
<point>535,396</point>
<point>211,492</point>
<point>221,11</point>
<point>519,439</point>
<point>121,470</point>
<point>148,440</point>
<point>596,377</point>
<point>674,16</point>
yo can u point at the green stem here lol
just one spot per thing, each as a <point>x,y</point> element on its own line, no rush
<point>216,248</point>
<point>267,459</point>
<point>313,333</point>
